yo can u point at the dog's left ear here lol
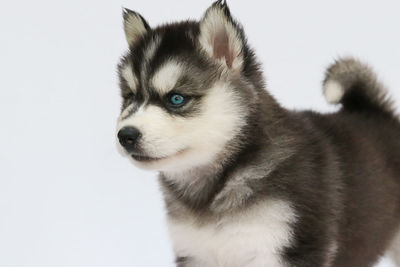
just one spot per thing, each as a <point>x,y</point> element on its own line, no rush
<point>222,37</point>
<point>135,26</point>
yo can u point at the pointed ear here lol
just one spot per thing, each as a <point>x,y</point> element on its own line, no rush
<point>135,26</point>
<point>221,37</point>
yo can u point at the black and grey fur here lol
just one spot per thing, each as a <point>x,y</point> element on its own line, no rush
<point>332,181</point>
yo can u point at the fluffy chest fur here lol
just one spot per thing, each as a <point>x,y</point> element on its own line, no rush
<point>255,237</point>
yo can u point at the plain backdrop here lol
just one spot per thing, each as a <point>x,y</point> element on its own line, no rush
<point>67,197</point>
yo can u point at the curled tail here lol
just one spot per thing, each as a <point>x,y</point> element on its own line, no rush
<point>354,85</point>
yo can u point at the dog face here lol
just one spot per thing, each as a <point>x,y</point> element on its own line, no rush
<point>184,95</point>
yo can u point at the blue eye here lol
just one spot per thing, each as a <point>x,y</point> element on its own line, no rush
<point>176,99</point>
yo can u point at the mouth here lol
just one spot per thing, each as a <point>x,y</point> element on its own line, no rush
<point>143,158</point>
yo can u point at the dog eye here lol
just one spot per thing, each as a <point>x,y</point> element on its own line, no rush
<point>130,95</point>
<point>177,100</point>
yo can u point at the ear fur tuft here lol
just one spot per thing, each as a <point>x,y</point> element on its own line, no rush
<point>135,26</point>
<point>221,37</point>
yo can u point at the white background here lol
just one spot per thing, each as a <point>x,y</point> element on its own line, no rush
<point>67,198</point>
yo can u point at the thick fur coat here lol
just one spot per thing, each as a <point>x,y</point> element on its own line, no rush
<point>247,182</point>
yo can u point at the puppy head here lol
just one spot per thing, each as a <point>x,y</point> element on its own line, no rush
<point>185,92</point>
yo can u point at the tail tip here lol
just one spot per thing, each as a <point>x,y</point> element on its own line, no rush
<point>333,91</point>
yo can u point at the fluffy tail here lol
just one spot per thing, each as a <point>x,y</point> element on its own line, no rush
<point>355,86</point>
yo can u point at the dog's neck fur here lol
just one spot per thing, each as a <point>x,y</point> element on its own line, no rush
<point>224,185</point>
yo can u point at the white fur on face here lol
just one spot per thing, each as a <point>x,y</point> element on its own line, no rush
<point>254,237</point>
<point>126,111</point>
<point>188,142</point>
<point>214,25</point>
<point>149,53</point>
<point>333,91</point>
<point>166,76</point>
<point>128,76</point>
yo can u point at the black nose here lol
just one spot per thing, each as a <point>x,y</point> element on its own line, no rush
<point>128,137</point>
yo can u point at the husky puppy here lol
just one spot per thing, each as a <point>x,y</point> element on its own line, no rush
<point>247,182</point>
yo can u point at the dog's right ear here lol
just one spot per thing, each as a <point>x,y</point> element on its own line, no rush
<point>135,26</point>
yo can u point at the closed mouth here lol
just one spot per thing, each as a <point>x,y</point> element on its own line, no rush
<point>143,158</point>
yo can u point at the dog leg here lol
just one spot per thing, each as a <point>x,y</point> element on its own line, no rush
<point>394,250</point>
